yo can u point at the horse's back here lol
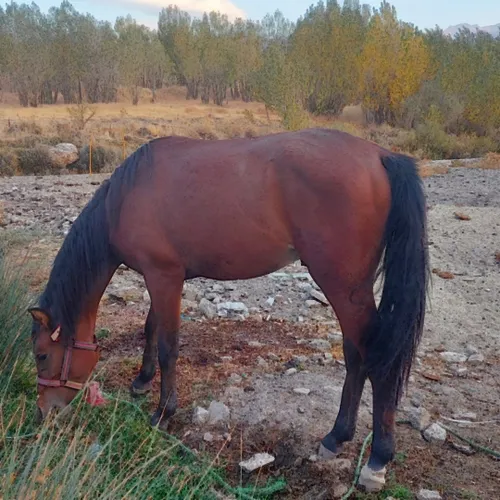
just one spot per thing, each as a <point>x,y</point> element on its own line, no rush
<point>241,207</point>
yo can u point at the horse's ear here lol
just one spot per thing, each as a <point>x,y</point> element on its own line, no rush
<point>40,316</point>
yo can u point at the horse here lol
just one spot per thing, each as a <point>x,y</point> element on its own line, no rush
<point>180,208</point>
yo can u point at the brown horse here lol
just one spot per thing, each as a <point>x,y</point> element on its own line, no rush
<point>180,208</point>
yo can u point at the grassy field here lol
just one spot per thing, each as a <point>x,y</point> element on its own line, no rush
<point>88,452</point>
<point>109,132</point>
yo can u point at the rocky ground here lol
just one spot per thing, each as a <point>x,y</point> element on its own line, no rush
<point>269,348</point>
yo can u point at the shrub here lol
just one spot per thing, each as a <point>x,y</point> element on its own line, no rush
<point>9,163</point>
<point>102,158</point>
<point>35,161</point>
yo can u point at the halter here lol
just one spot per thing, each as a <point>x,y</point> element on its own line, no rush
<point>68,354</point>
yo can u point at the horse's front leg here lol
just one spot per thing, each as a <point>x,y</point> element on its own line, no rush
<point>142,384</point>
<point>165,288</point>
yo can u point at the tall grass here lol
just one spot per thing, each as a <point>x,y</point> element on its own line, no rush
<point>104,452</point>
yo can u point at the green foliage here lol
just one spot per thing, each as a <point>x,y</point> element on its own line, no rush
<point>8,162</point>
<point>35,161</point>
<point>337,54</point>
<point>87,452</point>
<point>102,157</point>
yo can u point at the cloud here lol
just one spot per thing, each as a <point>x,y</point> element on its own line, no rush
<point>193,6</point>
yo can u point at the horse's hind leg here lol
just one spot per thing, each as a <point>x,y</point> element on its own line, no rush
<point>355,319</point>
<point>142,383</point>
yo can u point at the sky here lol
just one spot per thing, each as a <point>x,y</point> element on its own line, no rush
<point>424,13</point>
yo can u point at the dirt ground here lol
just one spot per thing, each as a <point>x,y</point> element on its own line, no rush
<point>243,362</point>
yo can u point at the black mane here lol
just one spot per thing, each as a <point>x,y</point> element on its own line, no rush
<point>86,252</point>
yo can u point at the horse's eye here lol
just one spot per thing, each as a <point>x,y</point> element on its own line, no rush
<point>41,357</point>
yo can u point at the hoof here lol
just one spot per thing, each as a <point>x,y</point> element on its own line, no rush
<point>160,418</point>
<point>139,389</point>
<point>372,480</point>
<point>325,454</point>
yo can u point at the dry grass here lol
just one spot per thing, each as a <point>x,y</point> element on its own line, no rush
<point>3,220</point>
<point>428,169</point>
<point>490,162</point>
<point>120,128</point>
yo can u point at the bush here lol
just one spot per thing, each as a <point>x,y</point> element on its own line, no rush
<point>9,163</point>
<point>102,158</point>
<point>35,161</point>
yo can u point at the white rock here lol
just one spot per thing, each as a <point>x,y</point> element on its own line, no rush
<point>320,344</point>
<point>340,490</point>
<point>435,433</point>
<point>302,390</point>
<point>234,379</point>
<point>256,462</point>
<point>63,154</point>
<point>470,350</point>
<point>207,308</point>
<point>208,437</point>
<point>233,307</point>
<point>428,495</point>
<point>255,343</point>
<point>146,297</point>
<point>475,359</point>
<point>261,362</point>
<point>291,371</point>
<point>419,418</point>
<point>335,338</point>
<point>320,297</point>
<point>312,303</point>
<point>270,301</point>
<point>200,416</point>
<point>453,357</point>
<point>218,413</point>
<point>218,288</point>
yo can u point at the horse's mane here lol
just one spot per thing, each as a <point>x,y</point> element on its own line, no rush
<point>86,252</point>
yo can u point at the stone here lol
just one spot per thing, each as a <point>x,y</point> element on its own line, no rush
<point>255,343</point>
<point>435,434</point>
<point>231,309</point>
<point>320,297</point>
<point>190,292</point>
<point>273,357</point>
<point>145,297</point>
<point>218,413</point>
<point>312,303</point>
<point>218,288</point>
<point>302,391</point>
<point>63,154</point>
<point>335,338</point>
<point>208,437</point>
<point>428,495</point>
<point>207,308</point>
<point>340,490</point>
<point>419,418</point>
<point>465,415</point>
<point>234,379</point>
<point>320,344</point>
<point>453,357</point>
<point>261,362</point>
<point>475,359</point>
<point>270,301</point>
<point>200,416</point>
<point>470,350</point>
<point>291,371</point>
<point>256,462</point>
<point>188,305</point>
<point>300,360</point>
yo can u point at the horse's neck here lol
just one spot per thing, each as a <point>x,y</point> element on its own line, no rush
<point>86,322</point>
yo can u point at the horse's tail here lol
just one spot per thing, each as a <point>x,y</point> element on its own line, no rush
<point>391,347</point>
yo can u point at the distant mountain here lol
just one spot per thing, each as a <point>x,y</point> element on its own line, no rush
<point>493,30</point>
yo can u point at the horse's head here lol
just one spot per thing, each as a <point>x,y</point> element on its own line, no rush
<point>63,363</point>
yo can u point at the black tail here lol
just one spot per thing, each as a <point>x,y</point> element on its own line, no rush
<point>392,346</point>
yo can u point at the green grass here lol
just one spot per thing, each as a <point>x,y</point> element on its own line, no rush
<point>87,452</point>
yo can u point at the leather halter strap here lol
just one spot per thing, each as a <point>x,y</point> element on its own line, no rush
<point>68,354</point>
